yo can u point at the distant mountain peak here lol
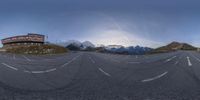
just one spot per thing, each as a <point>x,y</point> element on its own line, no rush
<point>77,45</point>
<point>87,44</point>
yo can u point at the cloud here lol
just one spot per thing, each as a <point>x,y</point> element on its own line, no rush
<point>113,37</point>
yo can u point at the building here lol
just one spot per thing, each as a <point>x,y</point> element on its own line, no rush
<point>23,40</point>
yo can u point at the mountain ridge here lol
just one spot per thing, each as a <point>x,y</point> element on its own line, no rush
<point>118,49</point>
<point>174,46</point>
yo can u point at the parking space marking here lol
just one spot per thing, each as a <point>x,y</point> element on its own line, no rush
<point>11,67</point>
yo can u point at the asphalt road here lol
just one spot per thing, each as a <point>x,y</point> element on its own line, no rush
<point>97,76</point>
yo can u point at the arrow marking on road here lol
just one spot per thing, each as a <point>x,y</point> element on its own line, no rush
<point>189,62</point>
<point>154,78</point>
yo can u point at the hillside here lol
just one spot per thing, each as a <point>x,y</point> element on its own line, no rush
<point>174,46</point>
<point>38,50</point>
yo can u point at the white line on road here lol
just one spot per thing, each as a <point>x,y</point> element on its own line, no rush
<point>154,78</point>
<point>27,58</point>
<point>40,72</point>
<point>70,61</point>
<point>9,66</point>
<point>53,69</point>
<point>189,62</point>
<point>196,58</point>
<point>170,59</point>
<point>91,59</point>
<point>37,72</point>
<point>50,70</point>
<point>176,62</point>
<point>107,74</point>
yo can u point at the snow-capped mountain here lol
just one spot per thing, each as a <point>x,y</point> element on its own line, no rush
<point>77,45</point>
<point>127,50</point>
<point>109,47</point>
<point>87,44</point>
<point>138,50</point>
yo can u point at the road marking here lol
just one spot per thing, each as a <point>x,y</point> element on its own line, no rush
<point>91,59</point>
<point>176,62</point>
<point>27,58</point>
<point>9,66</point>
<point>189,62</point>
<point>37,72</point>
<point>50,70</point>
<point>133,62</point>
<point>196,57</point>
<point>70,61</point>
<point>154,78</point>
<point>107,74</point>
<point>170,59</point>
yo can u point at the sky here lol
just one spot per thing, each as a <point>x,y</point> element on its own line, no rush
<point>151,23</point>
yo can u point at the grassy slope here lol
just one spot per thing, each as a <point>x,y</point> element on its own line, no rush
<point>173,47</point>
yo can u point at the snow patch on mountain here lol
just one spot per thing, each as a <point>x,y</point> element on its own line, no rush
<point>87,44</point>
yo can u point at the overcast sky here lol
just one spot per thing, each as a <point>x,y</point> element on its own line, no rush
<point>125,22</point>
